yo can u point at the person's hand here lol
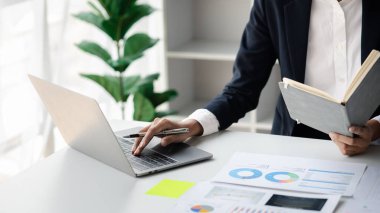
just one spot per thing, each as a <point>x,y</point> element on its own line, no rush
<point>358,144</point>
<point>160,124</point>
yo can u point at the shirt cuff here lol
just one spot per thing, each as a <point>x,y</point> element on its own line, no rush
<point>377,118</point>
<point>207,120</point>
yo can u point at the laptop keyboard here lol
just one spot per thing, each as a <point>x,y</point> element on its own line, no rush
<point>148,159</point>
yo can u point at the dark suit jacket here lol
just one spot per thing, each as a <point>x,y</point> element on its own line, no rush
<point>278,29</point>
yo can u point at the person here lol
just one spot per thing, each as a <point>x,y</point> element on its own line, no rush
<point>321,43</point>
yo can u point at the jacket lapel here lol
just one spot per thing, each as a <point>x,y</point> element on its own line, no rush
<point>297,18</point>
<point>370,27</point>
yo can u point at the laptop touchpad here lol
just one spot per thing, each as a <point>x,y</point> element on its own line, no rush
<point>171,149</point>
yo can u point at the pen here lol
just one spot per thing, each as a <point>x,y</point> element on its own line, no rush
<point>162,133</point>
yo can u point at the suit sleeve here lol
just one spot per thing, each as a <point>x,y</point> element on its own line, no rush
<point>252,68</point>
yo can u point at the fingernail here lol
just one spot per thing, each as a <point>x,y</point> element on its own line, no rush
<point>332,136</point>
<point>351,129</point>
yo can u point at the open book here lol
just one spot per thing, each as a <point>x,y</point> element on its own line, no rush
<point>319,110</point>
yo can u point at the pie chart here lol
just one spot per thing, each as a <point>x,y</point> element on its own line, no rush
<point>245,173</point>
<point>281,177</point>
<point>202,208</point>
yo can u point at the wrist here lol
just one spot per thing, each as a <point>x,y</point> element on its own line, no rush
<point>194,126</point>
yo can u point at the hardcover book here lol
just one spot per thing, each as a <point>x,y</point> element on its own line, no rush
<point>321,111</point>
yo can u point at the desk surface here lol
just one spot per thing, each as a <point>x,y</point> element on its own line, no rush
<point>69,181</point>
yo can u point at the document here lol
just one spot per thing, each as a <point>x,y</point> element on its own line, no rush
<point>367,195</point>
<point>219,197</point>
<point>319,110</point>
<point>369,185</point>
<point>291,173</point>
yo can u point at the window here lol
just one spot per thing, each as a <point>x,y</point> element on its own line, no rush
<point>38,37</point>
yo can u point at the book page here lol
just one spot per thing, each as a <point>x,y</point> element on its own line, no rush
<point>310,90</point>
<point>358,78</point>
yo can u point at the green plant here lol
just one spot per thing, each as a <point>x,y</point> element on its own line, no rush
<point>115,18</point>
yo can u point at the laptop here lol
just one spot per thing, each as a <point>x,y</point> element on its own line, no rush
<point>85,128</point>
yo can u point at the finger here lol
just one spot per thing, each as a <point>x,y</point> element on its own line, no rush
<point>138,140</point>
<point>359,150</point>
<point>358,141</point>
<point>146,128</point>
<point>336,139</point>
<point>344,139</point>
<point>345,149</point>
<point>159,126</point>
<point>361,131</point>
<point>172,139</point>
<point>350,152</point>
<point>356,151</point>
<point>155,121</point>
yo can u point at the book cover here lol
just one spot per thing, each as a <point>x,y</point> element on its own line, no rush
<point>325,113</point>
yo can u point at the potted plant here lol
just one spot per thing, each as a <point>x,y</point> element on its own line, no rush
<point>115,18</point>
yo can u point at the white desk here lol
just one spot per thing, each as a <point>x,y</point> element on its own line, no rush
<point>69,181</point>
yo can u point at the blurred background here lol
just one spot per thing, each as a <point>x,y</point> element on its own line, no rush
<point>39,37</point>
<point>198,42</point>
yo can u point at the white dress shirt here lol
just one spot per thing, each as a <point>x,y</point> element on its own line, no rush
<point>333,54</point>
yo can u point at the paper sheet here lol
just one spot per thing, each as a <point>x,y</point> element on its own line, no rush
<point>290,173</point>
<point>367,195</point>
<point>369,186</point>
<point>218,197</point>
<point>170,188</point>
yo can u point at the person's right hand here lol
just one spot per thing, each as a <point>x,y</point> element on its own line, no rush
<point>160,124</point>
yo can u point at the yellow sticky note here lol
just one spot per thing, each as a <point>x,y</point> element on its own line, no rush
<point>170,188</point>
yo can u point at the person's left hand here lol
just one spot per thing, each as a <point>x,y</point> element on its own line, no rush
<point>356,145</point>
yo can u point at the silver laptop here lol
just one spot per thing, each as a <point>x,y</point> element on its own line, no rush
<point>85,128</point>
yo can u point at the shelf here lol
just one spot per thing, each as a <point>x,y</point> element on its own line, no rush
<point>206,50</point>
<point>202,39</point>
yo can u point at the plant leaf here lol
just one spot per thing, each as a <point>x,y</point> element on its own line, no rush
<point>129,83</point>
<point>91,18</point>
<point>161,114</point>
<point>110,83</point>
<point>152,77</point>
<point>116,7</point>
<point>96,9</point>
<point>123,14</point>
<point>145,86</point>
<point>132,15</point>
<point>119,65</point>
<point>95,49</point>
<point>106,4</point>
<point>138,43</point>
<point>122,64</point>
<point>159,98</point>
<point>143,108</point>
<point>108,26</point>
